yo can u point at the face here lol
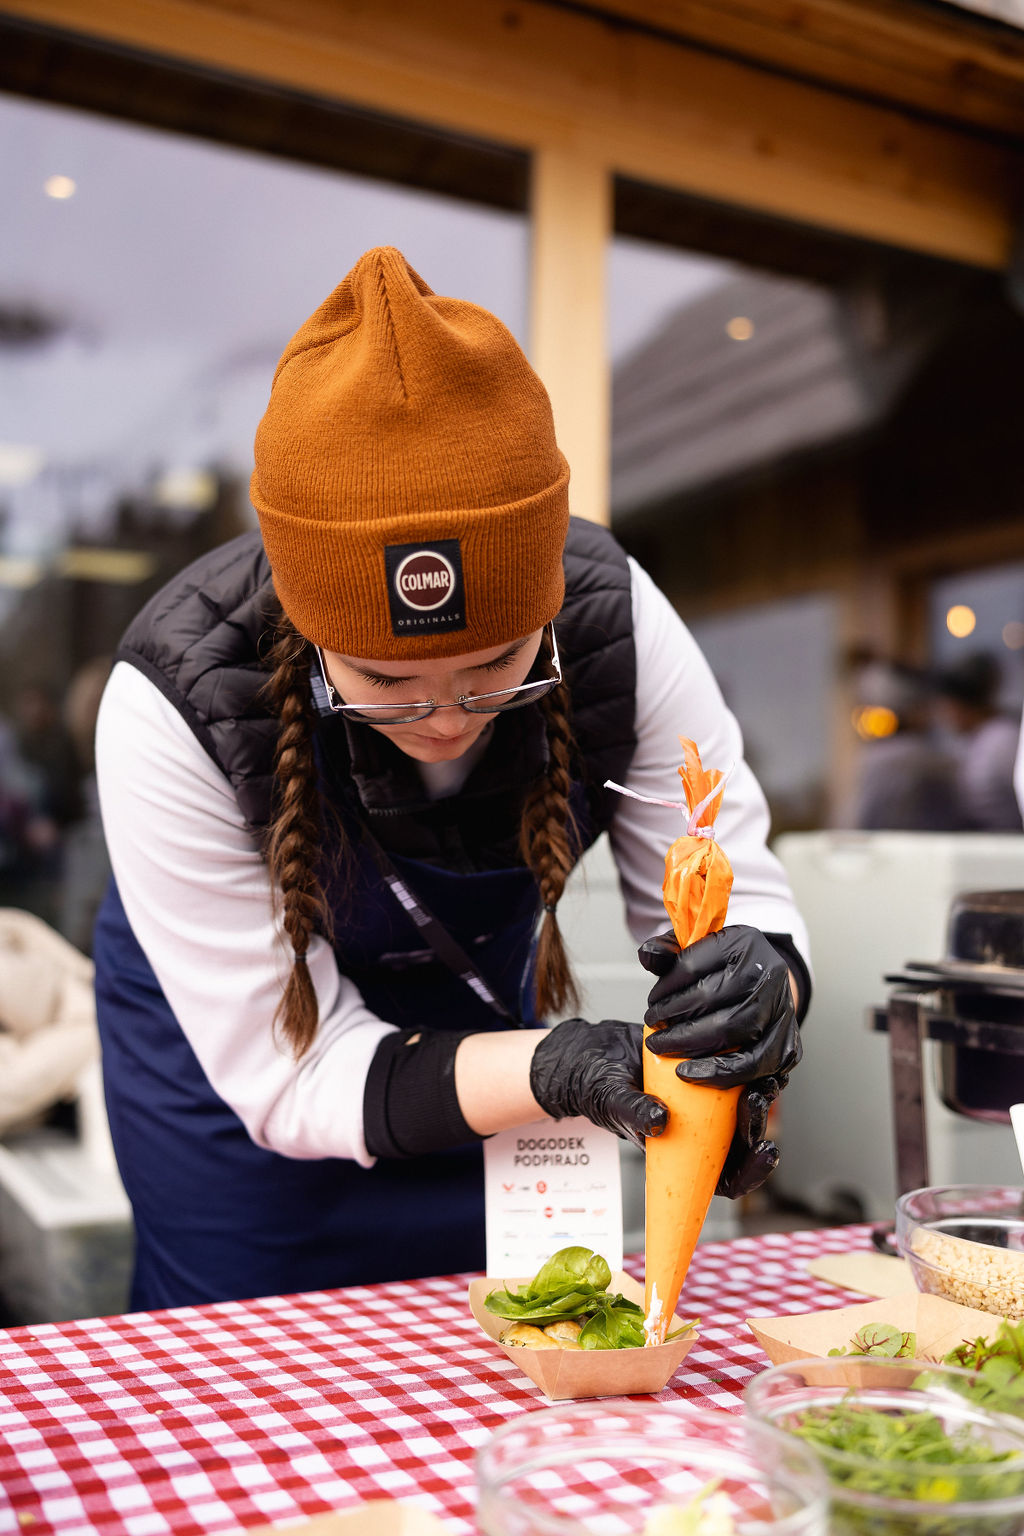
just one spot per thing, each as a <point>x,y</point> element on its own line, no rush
<point>448,733</point>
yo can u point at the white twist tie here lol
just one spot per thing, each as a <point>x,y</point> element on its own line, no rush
<point>693,817</point>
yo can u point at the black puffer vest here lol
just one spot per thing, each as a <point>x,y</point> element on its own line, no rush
<point>202,640</point>
<point>237,1219</point>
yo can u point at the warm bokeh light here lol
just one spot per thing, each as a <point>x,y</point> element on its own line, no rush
<point>740,328</point>
<point>20,571</point>
<point>59,186</point>
<point>875,721</point>
<point>1013,635</point>
<point>960,621</point>
<point>194,489</point>
<point>124,567</point>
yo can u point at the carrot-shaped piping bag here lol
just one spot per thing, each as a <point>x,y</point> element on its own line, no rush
<point>685,1162</point>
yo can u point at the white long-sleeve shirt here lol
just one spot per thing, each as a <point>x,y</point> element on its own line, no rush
<point>196,889</point>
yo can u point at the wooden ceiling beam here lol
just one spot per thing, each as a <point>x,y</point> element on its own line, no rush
<point>544,77</point>
<point>948,63</point>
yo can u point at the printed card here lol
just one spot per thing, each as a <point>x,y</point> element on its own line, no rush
<point>548,1186</point>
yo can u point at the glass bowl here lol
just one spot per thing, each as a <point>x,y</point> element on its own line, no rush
<point>617,1467</point>
<point>966,1242</point>
<point>878,1489</point>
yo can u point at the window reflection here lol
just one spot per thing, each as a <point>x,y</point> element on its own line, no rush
<point>148,285</point>
<point>813,446</point>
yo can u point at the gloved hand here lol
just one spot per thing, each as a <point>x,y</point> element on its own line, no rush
<point>596,1070</point>
<point>726,1004</point>
<point>751,1158</point>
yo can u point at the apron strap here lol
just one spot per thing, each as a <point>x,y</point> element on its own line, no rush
<point>445,947</point>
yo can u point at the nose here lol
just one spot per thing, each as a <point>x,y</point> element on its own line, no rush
<point>448,721</point>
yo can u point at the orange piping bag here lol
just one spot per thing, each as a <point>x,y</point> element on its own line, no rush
<point>685,1162</point>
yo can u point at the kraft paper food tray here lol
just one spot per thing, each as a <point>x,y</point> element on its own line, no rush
<point>570,1373</point>
<point>377,1517</point>
<point>940,1325</point>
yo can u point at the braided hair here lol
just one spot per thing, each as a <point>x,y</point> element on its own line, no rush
<point>294,834</point>
<point>547,838</point>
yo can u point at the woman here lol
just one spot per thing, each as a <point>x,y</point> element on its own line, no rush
<point>353,733</point>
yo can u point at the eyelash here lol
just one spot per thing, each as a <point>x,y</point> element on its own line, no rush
<point>502,662</point>
<point>492,666</point>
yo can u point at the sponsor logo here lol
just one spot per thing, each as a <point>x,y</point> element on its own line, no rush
<point>425,587</point>
<point>425,580</point>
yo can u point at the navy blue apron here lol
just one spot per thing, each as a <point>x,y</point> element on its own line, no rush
<point>218,1218</point>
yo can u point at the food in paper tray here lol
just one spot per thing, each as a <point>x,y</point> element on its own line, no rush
<point>554,1336</point>
<point>567,1305</point>
<point>930,1325</point>
<point>882,1340</point>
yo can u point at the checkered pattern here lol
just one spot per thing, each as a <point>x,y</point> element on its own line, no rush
<point>203,1419</point>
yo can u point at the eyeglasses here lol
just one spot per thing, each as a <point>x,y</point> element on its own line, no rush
<point>473,703</point>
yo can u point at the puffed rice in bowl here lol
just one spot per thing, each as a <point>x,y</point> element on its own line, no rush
<point>966,1242</point>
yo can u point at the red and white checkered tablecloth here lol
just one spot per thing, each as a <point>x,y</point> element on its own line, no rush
<point>203,1419</point>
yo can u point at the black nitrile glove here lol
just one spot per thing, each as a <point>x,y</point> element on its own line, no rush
<point>725,1004</point>
<point>596,1070</point>
<point>751,1158</point>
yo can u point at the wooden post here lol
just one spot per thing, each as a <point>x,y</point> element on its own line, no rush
<point>571,212</point>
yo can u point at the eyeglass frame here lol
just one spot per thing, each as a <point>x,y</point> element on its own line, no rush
<point>364,714</point>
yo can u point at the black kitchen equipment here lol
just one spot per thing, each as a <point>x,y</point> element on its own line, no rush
<point>972,1003</point>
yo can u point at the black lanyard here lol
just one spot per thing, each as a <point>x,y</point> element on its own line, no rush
<point>436,934</point>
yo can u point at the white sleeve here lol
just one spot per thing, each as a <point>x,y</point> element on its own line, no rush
<point>1018,770</point>
<point>676,695</point>
<point>197,894</point>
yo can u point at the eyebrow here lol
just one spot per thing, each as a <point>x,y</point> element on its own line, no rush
<point>481,666</point>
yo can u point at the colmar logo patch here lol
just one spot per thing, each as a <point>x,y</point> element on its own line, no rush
<point>425,587</point>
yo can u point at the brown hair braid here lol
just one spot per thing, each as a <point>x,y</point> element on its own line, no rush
<point>293,837</point>
<point>549,844</point>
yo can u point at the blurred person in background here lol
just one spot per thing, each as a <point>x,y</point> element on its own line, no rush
<point>907,782</point>
<point>86,865</point>
<point>986,740</point>
<point>45,746</point>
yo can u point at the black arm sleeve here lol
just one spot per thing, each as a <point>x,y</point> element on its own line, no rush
<point>783,942</point>
<point>410,1106</point>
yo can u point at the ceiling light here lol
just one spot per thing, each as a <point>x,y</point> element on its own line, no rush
<point>19,463</point>
<point>60,187</point>
<point>740,328</point>
<point>960,621</point>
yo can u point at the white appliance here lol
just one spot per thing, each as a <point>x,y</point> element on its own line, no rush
<point>872,901</point>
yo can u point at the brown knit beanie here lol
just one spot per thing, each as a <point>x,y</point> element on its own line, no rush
<point>412,498</point>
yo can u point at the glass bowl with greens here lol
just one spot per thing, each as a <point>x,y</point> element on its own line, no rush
<point>908,1451</point>
<point>620,1467</point>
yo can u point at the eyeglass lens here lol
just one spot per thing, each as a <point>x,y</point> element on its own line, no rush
<point>482,704</point>
<point>475,704</point>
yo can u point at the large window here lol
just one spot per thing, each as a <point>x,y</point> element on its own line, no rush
<point>806,432</point>
<point>148,283</point>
